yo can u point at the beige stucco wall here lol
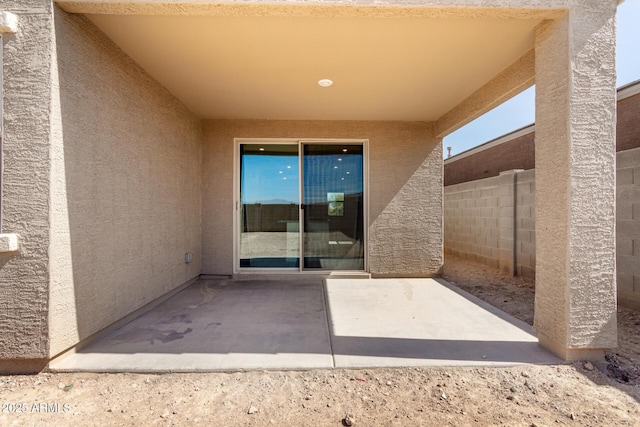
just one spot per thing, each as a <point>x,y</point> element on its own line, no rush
<point>575,304</point>
<point>125,192</point>
<point>24,277</point>
<point>405,190</point>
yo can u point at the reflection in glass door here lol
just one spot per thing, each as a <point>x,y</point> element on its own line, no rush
<point>333,207</point>
<point>331,215</point>
<point>269,206</point>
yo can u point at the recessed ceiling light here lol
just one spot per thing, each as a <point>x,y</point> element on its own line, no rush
<point>325,82</point>
<point>344,150</point>
<point>261,149</point>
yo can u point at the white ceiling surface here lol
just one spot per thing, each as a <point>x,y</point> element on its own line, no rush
<point>408,69</point>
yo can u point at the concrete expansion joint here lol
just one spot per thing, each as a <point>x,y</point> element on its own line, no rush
<point>8,23</point>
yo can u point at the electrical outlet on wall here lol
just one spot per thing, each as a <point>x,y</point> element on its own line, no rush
<point>187,257</point>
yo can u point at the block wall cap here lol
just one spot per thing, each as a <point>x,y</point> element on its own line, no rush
<point>8,242</point>
<point>8,22</point>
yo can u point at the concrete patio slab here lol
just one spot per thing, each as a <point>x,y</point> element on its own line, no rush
<point>309,323</point>
<point>423,322</point>
<point>219,325</point>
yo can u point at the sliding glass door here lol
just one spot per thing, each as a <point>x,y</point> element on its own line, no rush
<point>324,232</point>
<point>333,207</point>
<point>269,206</point>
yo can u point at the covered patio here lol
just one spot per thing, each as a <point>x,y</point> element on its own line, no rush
<point>128,131</point>
<point>311,323</point>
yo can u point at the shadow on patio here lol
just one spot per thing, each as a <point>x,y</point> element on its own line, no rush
<point>306,323</point>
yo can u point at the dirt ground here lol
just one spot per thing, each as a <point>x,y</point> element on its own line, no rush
<point>573,394</point>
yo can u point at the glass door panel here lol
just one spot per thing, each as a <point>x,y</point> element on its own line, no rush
<point>333,207</point>
<point>269,206</point>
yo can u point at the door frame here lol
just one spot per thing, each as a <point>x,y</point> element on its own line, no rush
<point>299,142</point>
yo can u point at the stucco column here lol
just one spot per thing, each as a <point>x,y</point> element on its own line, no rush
<point>575,303</point>
<point>24,267</point>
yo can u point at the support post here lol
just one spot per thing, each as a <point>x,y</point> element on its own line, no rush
<point>575,301</point>
<point>8,24</point>
<point>507,207</point>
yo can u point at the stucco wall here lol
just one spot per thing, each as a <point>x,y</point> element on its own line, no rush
<point>405,184</point>
<point>25,204</point>
<point>125,186</point>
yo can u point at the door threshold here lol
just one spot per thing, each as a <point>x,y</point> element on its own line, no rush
<point>349,275</point>
<point>297,275</point>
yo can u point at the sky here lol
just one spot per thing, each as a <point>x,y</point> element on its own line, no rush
<point>519,111</point>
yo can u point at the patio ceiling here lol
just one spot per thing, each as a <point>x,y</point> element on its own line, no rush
<point>250,67</point>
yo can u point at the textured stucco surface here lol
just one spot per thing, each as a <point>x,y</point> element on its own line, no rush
<point>24,275</point>
<point>575,178</point>
<point>405,190</point>
<point>125,186</point>
<point>507,9</point>
<point>516,78</point>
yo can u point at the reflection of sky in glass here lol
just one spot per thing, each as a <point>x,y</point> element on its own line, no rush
<point>273,179</point>
<point>269,179</point>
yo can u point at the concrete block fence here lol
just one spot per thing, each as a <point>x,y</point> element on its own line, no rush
<point>628,227</point>
<point>492,221</point>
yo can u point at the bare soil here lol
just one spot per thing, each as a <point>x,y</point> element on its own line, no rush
<point>570,394</point>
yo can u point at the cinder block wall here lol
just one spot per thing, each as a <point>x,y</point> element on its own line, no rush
<point>470,205</point>
<point>471,221</point>
<point>628,227</point>
<point>526,224</point>
<point>519,152</point>
<point>492,221</point>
